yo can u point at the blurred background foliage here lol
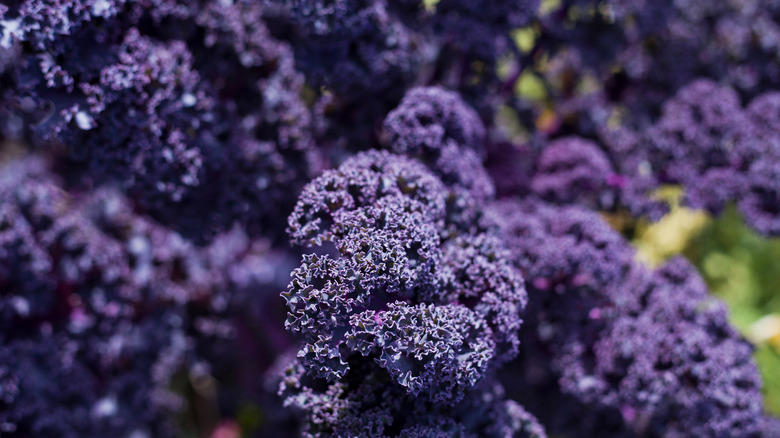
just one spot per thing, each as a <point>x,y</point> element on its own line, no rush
<point>741,267</point>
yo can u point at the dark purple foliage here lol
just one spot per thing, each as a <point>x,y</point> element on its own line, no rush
<point>486,22</point>
<point>370,405</point>
<point>151,150</point>
<point>477,269</point>
<point>760,198</point>
<point>105,307</point>
<point>651,346</point>
<point>696,132</point>
<point>700,140</point>
<point>360,182</point>
<point>705,142</point>
<point>670,362</point>
<point>87,355</point>
<point>438,128</point>
<point>430,119</point>
<point>435,313</point>
<point>761,204</point>
<point>440,350</point>
<point>575,171</point>
<point>208,126</point>
<point>559,249</point>
<point>354,47</point>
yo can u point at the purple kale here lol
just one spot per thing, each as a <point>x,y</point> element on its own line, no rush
<point>717,151</point>
<point>138,108</point>
<point>470,187</point>
<point>359,182</point>
<point>365,405</point>
<point>382,263</point>
<point>42,25</point>
<point>479,272</point>
<point>74,310</point>
<point>354,47</point>
<point>652,347</point>
<point>439,129</point>
<point>142,247</point>
<point>440,429</point>
<point>763,113</point>
<point>640,52</point>
<point>369,405</point>
<point>386,235</point>
<point>537,234</point>
<point>771,427</point>
<point>670,362</point>
<point>441,350</point>
<point>760,196</point>
<point>746,36</point>
<point>569,257</point>
<point>704,141</point>
<point>48,248</point>
<point>428,119</point>
<point>95,293</point>
<point>435,313</point>
<point>266,125</point>
<point>394,243</point>
<point>487,23</point>
<point>761,204</point>
<point>698,131</point>
<point>510,166</point>
<point>573,170</point>
<point>54,395</point>
<point>635,179</point>
<point>334,19</point>
<point>198,116</point>
<point>714,189</point>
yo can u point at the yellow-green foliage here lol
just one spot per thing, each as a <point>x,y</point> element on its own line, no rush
<point>656,242</point>
<point>743,268</point>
